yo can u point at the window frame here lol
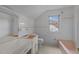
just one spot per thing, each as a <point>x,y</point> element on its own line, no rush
<point>52,22</point>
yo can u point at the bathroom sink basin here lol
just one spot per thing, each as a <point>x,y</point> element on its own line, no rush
<point>30,36</point>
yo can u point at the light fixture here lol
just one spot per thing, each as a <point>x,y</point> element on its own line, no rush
<point>22,23</point>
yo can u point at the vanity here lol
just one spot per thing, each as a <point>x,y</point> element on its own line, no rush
<point>34,41</point>
<point>19,45</point>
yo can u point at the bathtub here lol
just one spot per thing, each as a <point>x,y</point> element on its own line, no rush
<point>67,46</point>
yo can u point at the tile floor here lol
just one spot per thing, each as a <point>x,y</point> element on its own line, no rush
<point>49,50</point>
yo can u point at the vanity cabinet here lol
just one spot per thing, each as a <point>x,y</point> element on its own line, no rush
<point>35,45</point>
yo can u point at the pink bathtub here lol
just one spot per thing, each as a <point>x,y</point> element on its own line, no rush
<point>67,46</point>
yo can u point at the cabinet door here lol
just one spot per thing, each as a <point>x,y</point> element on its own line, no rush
<point>35,45</point>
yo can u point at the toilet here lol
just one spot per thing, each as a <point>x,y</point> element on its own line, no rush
<point>40,42</point>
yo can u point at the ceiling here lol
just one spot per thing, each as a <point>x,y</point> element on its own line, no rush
<point>33,11</point>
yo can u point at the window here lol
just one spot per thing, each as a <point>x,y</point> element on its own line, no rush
<point>54,23</point>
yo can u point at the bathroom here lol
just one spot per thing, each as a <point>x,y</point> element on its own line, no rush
<point>29,22</point>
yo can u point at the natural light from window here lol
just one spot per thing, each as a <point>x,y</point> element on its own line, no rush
<point>54,23</point>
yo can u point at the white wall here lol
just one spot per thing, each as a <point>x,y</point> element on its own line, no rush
<point>4,24</point>
<point>13,16</point>
<point>66,27</point>
<point>8,23</point>
<point>66,23</point>
<point>14,21</point>
<point>26,25</point>
<point>76,25</point>
<point>24,29</point>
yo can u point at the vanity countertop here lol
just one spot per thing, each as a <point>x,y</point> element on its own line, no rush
<point>15,46</point>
